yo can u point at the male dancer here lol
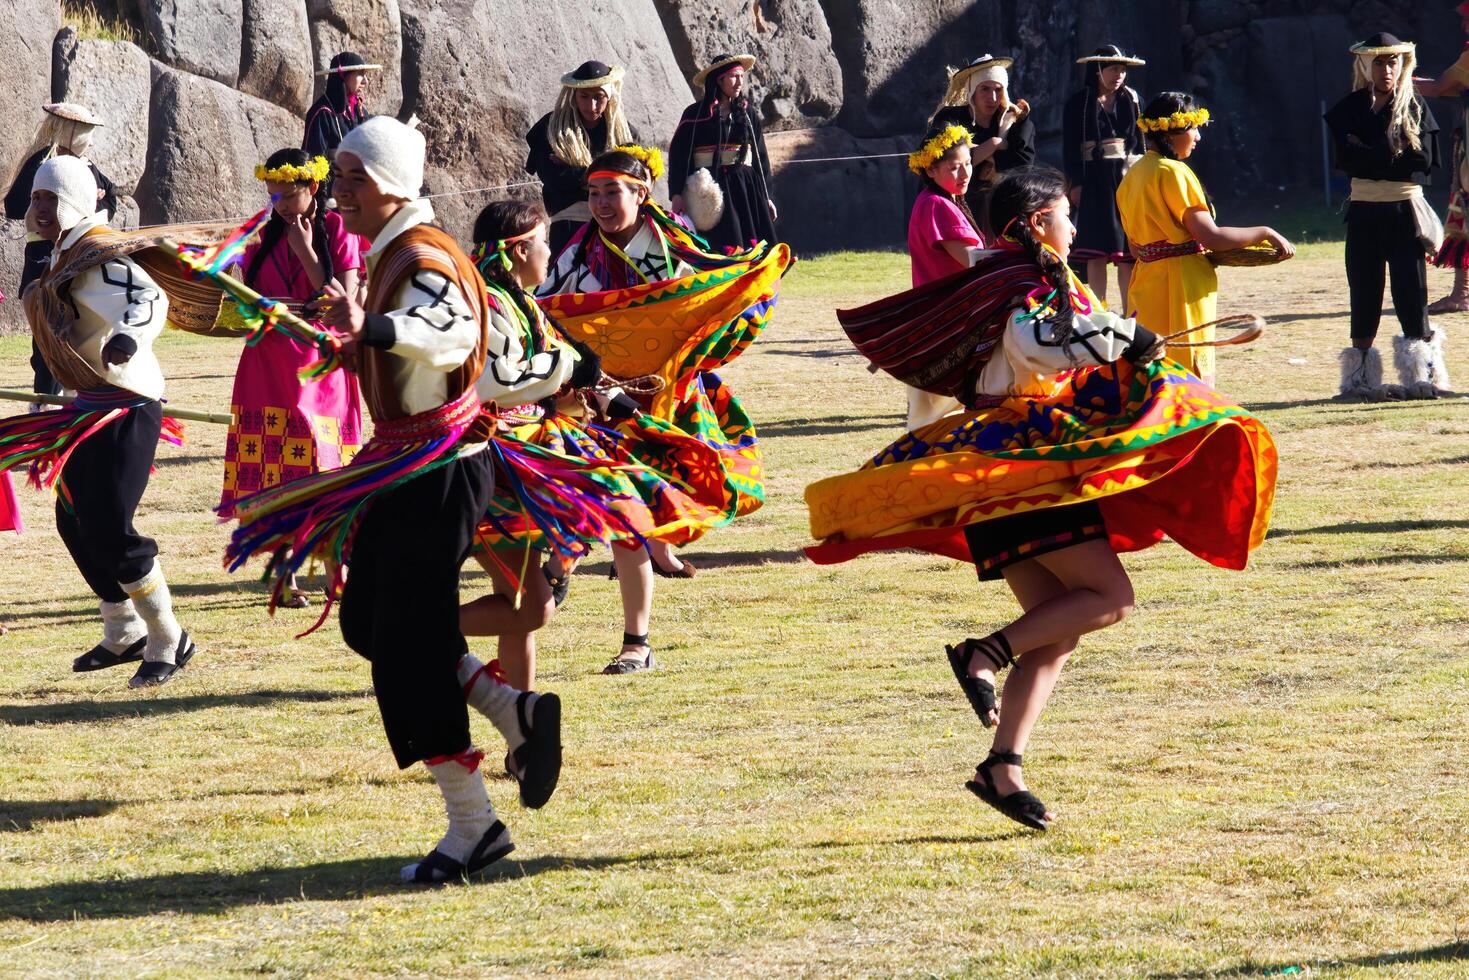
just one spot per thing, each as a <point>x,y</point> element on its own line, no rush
<point>94,313</point>
<point>420,342</point>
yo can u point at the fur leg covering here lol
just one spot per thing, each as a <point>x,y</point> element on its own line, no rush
<point>1413,358</point>
<point>1361,375</point>
<point>1438,368</point>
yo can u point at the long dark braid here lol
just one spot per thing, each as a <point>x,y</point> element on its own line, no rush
<point>275,228</point>
<point>1018,195</point>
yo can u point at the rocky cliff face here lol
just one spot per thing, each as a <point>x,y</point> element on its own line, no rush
<point>219,84</point>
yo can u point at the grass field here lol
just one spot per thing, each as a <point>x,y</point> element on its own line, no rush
<point>1260,773</point>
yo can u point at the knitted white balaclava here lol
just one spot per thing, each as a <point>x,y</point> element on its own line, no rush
<point>392,154</point>
<point>71,180</point>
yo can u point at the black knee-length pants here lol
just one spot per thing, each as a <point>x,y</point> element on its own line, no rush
<point>101,486</point>
<point>400,606</point>
<point>1382,245</point>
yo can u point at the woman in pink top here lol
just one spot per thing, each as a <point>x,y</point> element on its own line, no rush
<point>942,235</point>
<point>283,427</point>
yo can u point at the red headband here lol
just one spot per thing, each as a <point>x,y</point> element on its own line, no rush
<point>615,175</point>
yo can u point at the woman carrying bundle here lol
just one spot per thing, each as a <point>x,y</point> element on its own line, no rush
<point>1169,222</point>
<point>1078,443</point>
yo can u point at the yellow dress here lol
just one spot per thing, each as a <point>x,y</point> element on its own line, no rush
<point>1170,294</point>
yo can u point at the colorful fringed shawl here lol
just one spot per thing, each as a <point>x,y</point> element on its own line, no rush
<point>681,330</point>
<point>44,441</point>
<point>316,516</point>
<point>1163,454</point>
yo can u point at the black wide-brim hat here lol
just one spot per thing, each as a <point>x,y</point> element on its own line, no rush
<point>592,74</point>
<point>1111,54</point>
<point>1382,43</point>
<point>347,62</point>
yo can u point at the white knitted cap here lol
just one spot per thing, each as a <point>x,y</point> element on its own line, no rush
<point>392,154</point>
<point>71,180</point>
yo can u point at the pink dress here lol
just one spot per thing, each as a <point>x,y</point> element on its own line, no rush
<point>285,428</point>
<point>9,508</point>
<point>935,220</point>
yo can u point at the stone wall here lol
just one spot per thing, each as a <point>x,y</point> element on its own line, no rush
<point>215,85</point>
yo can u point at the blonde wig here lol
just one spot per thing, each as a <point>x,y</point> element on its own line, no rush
<point>1405,112</point>
<point>568,135</point>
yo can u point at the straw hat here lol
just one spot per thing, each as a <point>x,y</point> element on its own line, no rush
<point>746,61</point>
<point>346,63</point>
<point>1111,54</point>
<point>592,74</point>
<point>73,112</point>
<point>985,60</point>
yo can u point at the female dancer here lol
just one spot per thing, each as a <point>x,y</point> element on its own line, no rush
<point>720,135</point>
<point>1076,446</point>
<point>340,109</point>
<point>587,120</point>
<point>577,417</point>
<point>943,236</point>
<point>1386,140</point>
<point>1003,137</point>
<point>618,268</point>
<point>1169,222</point>
<point>1100,142</point>
<point>1454,83</point>
<point>283,427</point>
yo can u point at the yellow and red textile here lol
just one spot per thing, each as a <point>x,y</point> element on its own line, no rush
<point>1159,451</point>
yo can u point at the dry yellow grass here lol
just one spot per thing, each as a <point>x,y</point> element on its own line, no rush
<point>1259,772</point>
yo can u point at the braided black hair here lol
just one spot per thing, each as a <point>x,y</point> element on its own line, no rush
<point>500,220</point>
<point>275,228</point>
<point>1018,195</point>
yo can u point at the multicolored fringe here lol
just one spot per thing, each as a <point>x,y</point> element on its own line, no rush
<point>44,441</point>
<point>317,516</point>
<point>259,314</point>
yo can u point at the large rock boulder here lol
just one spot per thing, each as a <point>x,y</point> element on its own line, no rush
<point>115,80</point>
<point>372,28</point>
<point>475,96</point>
<point>818,202</point>
<point>797,80</point>
<point>12,258</point>
<point>199,36</point>
<point>206,141</point>
<point>26,31</point>
<point>276,63</point>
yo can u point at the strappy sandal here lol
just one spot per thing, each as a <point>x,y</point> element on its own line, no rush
<point>537,762</point>
<point>980,692</point>
<point>624,664</point>
<point>156,672</point>
<point>437,868</point>
<point>100,658</point>
<point>560,585</point>
<point>1022,806</point>
<point>298,599</point>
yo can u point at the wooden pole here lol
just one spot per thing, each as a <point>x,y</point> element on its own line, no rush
<point>188,414</point>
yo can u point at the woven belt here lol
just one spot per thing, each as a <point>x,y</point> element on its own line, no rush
<point>729,156</point>
<point>1112,149</point>
<point>1155,251</point>
<point>458,414</point>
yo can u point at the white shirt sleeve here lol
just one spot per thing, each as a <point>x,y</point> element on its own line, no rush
<point>430,324</point>
<point>1099,337</point>
<point>510,377</point>
<point>123,296</point>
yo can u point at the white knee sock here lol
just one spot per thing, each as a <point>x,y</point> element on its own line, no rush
<point>470,813</point>
<point>150,598</point>
<point>121,625</point>
<point>494,699</point>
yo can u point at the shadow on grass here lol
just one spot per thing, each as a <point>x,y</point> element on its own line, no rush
<point>832,425</point>
<point>143,706</point>
<point>703,560</point>
<point>1366,527</point>
<point>1382,560</point>
<point>209,892</point>
<point>23,815</point>
<point>1447,953</point>
<point>21,611</point>
<point>847,352</point>
<point>1411,464</point>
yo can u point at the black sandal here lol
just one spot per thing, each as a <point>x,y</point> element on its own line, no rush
<point>621,665</point>
<point>156,672</point>
<point>980,692</point>
<point>538,759</point>
<point>437,868</point>
<point>1022,806</point>
<point>559,586</point>
<point>100,658</point>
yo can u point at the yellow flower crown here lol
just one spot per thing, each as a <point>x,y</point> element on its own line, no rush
<point>315,169</point>
<point>1177,122</point>
<point>931,152</point>
<point>651,156</point>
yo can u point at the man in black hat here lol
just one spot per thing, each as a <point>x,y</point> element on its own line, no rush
<point>586,121</point>
<point>1386,140</point>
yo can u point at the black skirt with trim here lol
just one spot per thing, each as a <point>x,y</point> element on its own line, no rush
<point>996,544</point>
